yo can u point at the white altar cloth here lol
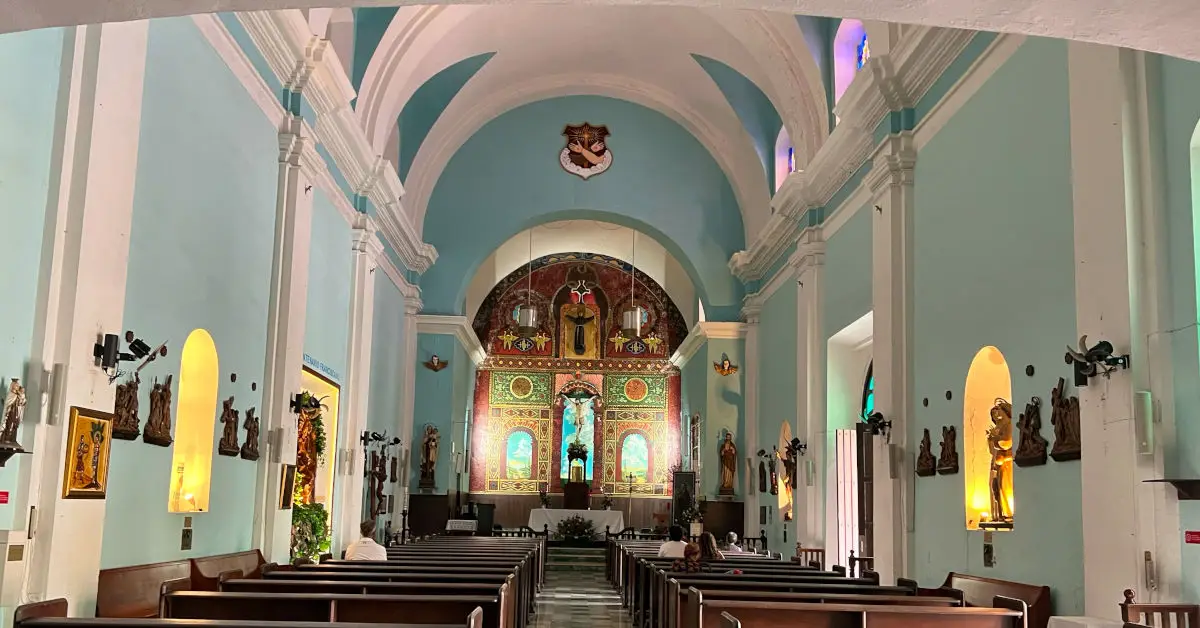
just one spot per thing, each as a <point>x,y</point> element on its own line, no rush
<point>1082,622</point>
<point>541,517</point>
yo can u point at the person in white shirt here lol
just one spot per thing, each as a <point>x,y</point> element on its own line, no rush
<point>366,548</point>
<point>674,547</point>
<point>731,540</point>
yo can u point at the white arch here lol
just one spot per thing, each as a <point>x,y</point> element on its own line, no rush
<point>467,115</point>
<point>1165,26</point>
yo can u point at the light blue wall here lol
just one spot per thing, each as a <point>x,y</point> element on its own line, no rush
<point>387,368</point>
<point>725,411</point>
<point>435,404</point>
<point>777,369</point>
<point>200,257</point>
<point>847,285</point>
<point>427,104</point>
<point>1179,114</point>
<point>693,393</point>
<point>994,266</point>
<point>507,178</point>
<point>29,63</point>
<point>327,324</point>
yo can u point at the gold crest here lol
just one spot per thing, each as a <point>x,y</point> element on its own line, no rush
<point>586,153</point>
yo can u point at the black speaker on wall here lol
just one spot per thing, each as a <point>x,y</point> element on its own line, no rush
<point>683,494</point>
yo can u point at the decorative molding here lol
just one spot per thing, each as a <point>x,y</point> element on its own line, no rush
<point>703,332</point>
<point>227,48</point>
<point>365,236</point>
<point>307,64</point>
<point>457,326</point>
<point>887,83</point>
<point>893,164</point>
<point>810,251</point>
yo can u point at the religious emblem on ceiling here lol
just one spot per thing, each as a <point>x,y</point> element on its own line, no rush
<point>586,153</point>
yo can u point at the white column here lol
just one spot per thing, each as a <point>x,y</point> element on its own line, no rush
<point>1119,511</point>
<point>286,314</point>
<point>412,307</point>
<point>809,262</point>
<point>366,249</point>
<point>81,293</point>
<point>891,183</point>
<point>750,441</point>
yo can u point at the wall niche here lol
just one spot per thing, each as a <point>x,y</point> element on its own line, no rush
<point>987,435</point>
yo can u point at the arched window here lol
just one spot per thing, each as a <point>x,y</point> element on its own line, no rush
<point>987,476</point>
<point>868,394</point>
<point>864,51</point>
<point>635,459</point>
<point>850,53</point>
<point>785,158</point>
<point>195,423</point>
<point>518,456</point>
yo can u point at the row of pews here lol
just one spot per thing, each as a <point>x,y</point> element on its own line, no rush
<point>478,582</point>
<point>757,591</point>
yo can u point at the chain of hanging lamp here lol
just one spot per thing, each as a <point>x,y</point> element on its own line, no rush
<point>631,318</point>
<point>527,315</point>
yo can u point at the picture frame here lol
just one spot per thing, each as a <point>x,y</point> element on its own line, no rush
<point>287,486</point>
<point>88,447</point>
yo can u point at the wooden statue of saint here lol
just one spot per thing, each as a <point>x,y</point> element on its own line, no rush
<point>1064,414</point>
<point>228,446</point>
<point>1032,450</point>
<point>999,438</point>
<point>948,459</point>
<point>250,447</point>
<point>728,452</point>
<point>762,473</point>
<point>126,425</point>
<point>429,456</point>
<point>158,426</point>
<point>774,486</point>
<point>926,463</point>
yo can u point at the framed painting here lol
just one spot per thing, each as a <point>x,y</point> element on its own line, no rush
<point>89,442</point>
<point>287,486</point>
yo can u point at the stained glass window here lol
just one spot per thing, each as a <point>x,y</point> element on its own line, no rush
<point>635,458</point>
<point>791,159</point>
<point>868,397</point>
<point>864,51</point>
<point>518,458</point>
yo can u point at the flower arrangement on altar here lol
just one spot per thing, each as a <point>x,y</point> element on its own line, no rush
<point>575,530</point>
<point>577,451</point>
<point>544,498</point>
<point>606,499</point>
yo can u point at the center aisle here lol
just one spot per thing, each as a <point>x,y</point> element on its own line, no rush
<point>576,593</point>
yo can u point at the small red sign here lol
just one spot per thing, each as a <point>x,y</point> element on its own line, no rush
<point>1191,537</point>
<point>3,497</point>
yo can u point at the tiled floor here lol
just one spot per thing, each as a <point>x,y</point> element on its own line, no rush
<point>576,594</point>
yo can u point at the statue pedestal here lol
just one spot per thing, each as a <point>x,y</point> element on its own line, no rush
<point>576,495</point>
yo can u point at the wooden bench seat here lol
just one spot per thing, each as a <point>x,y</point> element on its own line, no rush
<point>980,591</point>
<point>699,612</point>
<point>473,621</point>
<point>133,591</point>
<point>334,608</point>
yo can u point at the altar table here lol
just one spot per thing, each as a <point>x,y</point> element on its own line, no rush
<point>541,517</point>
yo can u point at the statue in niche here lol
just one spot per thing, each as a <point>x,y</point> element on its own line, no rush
<point>579,315</point>
<point>948,459</point>
<point>250,447</point>
<point>14,409</point>
<point>773,488</point>
<point>126,425</point>
<point>158,426</point>
<point>228,446</point>
<point>429,455</point>
<point>1032,450</point>
<point>728,452</point>
<point>1064,415</point>
<point>926,463</point>
<point>999,439</point>
<point>762,471</point>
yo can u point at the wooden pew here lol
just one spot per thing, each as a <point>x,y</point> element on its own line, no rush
<point>735,588</point>
<point>979,591</point>
<point>474,620</point>
<point>1180,615</point>
<point>699,613</point>
<point>334,607</point>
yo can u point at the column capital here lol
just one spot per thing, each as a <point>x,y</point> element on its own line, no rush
<point>412,305</point>
<point>752,314</point>
<point>365,238</point>
<point>810,251</point>
<point>893,163</point>
<point>294,139</point>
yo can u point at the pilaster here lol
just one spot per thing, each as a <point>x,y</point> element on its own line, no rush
<point>1115,285</point>
<point>366,250</point>
<point>286,313</point>
<point>751,313</point>
<point>81,292</point>
<point>809,262</point>
<point>412,307</point>
<point>891,184</point>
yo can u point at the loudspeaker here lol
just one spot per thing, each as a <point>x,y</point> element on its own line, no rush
<point>109,352</point>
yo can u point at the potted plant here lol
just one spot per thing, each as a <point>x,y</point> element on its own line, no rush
<point>577,451</point>
<point>310,532</point>
<point>695,520</point>
<point>575,531</point>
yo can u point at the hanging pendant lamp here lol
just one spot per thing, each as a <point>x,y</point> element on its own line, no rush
<point>527,315</point>
<point>632,317</point>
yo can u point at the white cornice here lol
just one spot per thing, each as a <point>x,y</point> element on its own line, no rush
<point>810,251</point>
<point>308,64</point>
<point>227,48</point>
<point>457,326</point>
<point>887,83</point>
<point>703,332</point>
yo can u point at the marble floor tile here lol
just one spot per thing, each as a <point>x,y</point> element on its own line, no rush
<point>579,597</point>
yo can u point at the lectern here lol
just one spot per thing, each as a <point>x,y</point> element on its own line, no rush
<point>575,495</point>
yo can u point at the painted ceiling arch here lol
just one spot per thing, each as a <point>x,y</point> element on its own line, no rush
<point>1165,26</point>
<point>462,119</point>
<point>662,181</point>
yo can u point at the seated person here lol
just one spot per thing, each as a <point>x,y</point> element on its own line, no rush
<point>731,545</point>
<point>366,548</point>
<point>674,547</point>
<point>708,547</point>
<point>690,562</point>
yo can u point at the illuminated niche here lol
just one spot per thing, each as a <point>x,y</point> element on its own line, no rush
<point>330,395</point>
<point>783,483</point>
<point>195,423</point>
<point>988,382</point>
